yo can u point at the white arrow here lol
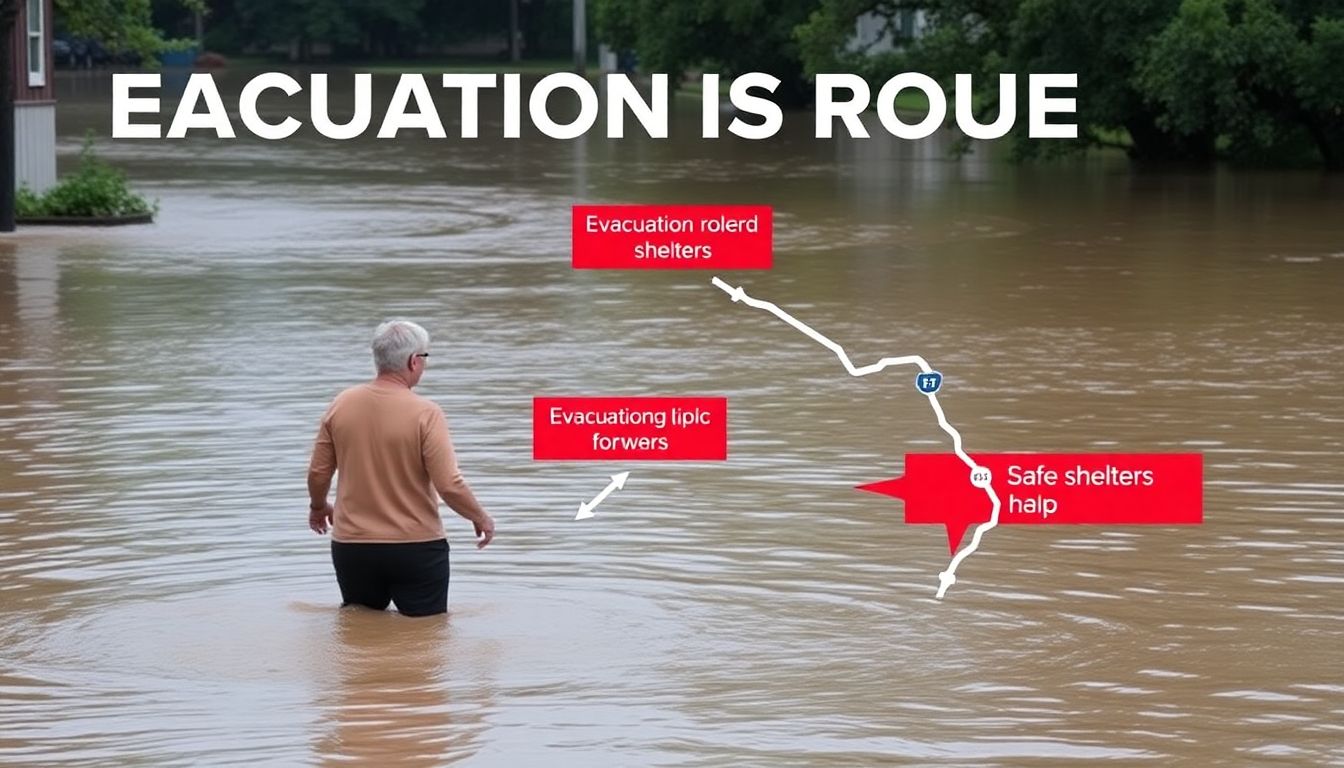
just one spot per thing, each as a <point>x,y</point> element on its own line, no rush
<point>586,510</point>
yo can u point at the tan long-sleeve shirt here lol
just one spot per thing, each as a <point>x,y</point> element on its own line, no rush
<point>393,452</point>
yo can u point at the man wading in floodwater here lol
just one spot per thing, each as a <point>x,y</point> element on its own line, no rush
<point>393,451</point>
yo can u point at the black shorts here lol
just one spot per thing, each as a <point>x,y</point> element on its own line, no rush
<point>413,575</point>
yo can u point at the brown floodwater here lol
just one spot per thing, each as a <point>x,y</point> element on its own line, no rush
<point>162,601</point>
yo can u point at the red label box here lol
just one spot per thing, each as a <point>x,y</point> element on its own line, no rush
<point>1050,489</point>
<point>672,236</point>
<point>630,428</point>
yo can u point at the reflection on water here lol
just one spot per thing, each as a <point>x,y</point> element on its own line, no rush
<point>382,707</point>
<point>161,600</point>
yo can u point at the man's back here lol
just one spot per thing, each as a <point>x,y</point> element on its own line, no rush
<point>395,459</point>
<point>385,442</point>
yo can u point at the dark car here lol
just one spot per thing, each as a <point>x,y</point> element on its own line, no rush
<point>78,52</point>
<point>61,53</point>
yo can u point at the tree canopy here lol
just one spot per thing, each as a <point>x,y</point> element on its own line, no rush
<point>119,25</point>
<point>373,29</point>
<point>1254,81</point>
<point>726,36</point>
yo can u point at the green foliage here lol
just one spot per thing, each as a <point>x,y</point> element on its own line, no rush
<point>382,27</point>
<point>95,189</point>
<point>1103,43</point>
<point>1320,68</point>
<point>547,27</point>
<point>1248,75</point>
<point>824,37</point>
<point>121,26</point>
<point>1319,86</point>
<point>1221,68</point>
<point>1252,80</point>
<point>725,36</point>
<point>364,29</point>
<point>27,203</point>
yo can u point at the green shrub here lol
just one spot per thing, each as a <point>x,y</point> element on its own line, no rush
<point>94,189</point>
<point>27,203</point>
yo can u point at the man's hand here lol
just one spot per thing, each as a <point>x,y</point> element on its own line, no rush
<point>485,531</point>
<point>320,519</point>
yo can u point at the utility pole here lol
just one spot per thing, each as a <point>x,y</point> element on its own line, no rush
<point>9,11</point>
<point>580,39</point>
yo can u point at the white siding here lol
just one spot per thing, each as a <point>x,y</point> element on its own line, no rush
<point>872,36</point>
<point>35,145</point>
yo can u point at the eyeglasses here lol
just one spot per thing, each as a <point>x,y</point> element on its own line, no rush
<point>420,354</point>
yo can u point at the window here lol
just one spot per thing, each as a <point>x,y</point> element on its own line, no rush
<point>37,45</point>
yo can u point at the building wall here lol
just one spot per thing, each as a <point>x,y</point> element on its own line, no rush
<point>35,145</point>
<point>34,108</point>
<point>19,64</point>
<point>872,36</point>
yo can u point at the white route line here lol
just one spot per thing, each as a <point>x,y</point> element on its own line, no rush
<point>948,577</point>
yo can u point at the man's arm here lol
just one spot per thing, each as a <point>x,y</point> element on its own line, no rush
<point>461,500</point>
<point>444,474</point>
<point>321,468</point>
<point>319,485</point>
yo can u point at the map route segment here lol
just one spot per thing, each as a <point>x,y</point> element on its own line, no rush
<point>948,577</point>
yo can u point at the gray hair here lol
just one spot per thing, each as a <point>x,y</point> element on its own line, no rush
<point>395,341</point>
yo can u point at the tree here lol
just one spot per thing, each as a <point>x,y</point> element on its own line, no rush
<point>1245,73</point>
<point>1250,80</point>
<point>1099,41</point>
<point>373,29</point>
<point>121,26</point>
<point>726,36</point>
<point>378,27</point>
<point>1319,68</point>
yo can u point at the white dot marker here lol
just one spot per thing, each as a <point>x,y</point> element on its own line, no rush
<point>980,477</point>
<point>945,580</point>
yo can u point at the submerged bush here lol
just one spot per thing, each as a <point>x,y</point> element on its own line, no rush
<point>94,189</point>
<point>27,203</point>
